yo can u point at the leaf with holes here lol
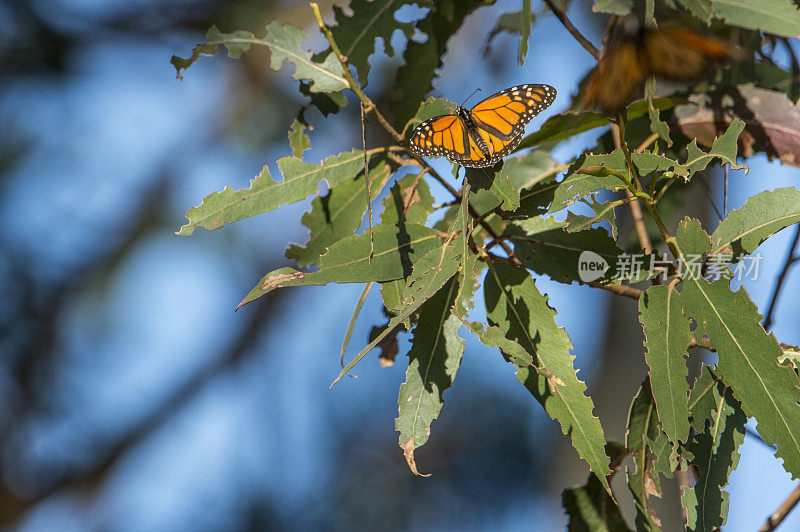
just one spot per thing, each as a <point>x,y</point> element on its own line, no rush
<point>515,305</point>
<point>544,246</point>
<point>300,180</point>
<point>719,422</point>
<point>748,356</point>
<point>355,35</point>
<point>339,213</point>
<point>285,42</point>
<point>667,337</point>
<point>348,260</point>
<point>433,361</point>
<point>763,215</point>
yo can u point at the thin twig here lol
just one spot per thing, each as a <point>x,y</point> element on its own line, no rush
<point>366,181</point>
<point>560,15</point>
<point>782,511</point>
<point>635,206</point>
<point>791,258</point>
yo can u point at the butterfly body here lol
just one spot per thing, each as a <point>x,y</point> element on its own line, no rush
<point>484,135</point>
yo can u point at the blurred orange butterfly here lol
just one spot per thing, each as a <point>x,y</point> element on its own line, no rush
<point>482,136</point>
<point>636,53</point>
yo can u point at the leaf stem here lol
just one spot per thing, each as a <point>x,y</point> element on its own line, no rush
<point>618,133</point>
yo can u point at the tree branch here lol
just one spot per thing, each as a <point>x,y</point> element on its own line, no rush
<point>791,258</point>
<point>782,511</point>
<point>560,15</point>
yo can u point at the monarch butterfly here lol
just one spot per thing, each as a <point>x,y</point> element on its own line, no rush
<point>482,136</point>
<point>635,53</point>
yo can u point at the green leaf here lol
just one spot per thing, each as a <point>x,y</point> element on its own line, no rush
<point>719,421</point>
<point>667,337</point>
<point>409,201</point>
<point>338,214</point>
<point>414,79</point>
<point>643,481</point>
<point>433,361</point>
<point>657,126</point>
<point>602,211</point>
<point>429,274</point>
<point>371,20</point>
<point>347,261</point>
<point>298,139</point>
<point>647,162</point>
<point>514,304</point>
<point>534,201</point>
<point>468,266</point>
<point>504,190</point>
<point>507,22</point>
<point>614,7</point>
<point>747,354</point>
<point>699,8</point>
<point>586,175</point>
<point>237,43</point>
<point>590,507</point>
<point>543,245</point>
<point>724,148</point>
<point>525,31</point>
<point>284,42</point>
<point>300,180</point>
<point>762,216</point>
<point>568,124</point>
<point>495,337</point>
<point>779,17</point>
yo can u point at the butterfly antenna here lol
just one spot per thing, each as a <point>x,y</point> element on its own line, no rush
<point>470,96</point>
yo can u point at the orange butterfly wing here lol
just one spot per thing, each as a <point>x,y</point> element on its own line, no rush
<point>444,135</point>
<point>498,123</point>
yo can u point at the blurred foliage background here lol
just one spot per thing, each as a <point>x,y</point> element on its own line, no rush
<point>134,398</point>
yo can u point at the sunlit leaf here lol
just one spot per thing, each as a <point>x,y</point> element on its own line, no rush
<point>409,200</point>
<point>780,17</point>
<point>763,215</point>
<point>339,213</point>
<point>657,126</point>
<point>525,31</point>
<point>514,304</point>
<point>747,354</point>
<point>588,174</point>
<point>429,274</point>
<point>504,190</point>
<point>285,42</point>
<point>701,9</point>
<point>667,337</point>
<point>300,180</point>
<point>724,148</point>
<point>433,361</point>
<point>348,260</point>
<point>298,139</point>
<point>614,7</point>
<point>602,212</point>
